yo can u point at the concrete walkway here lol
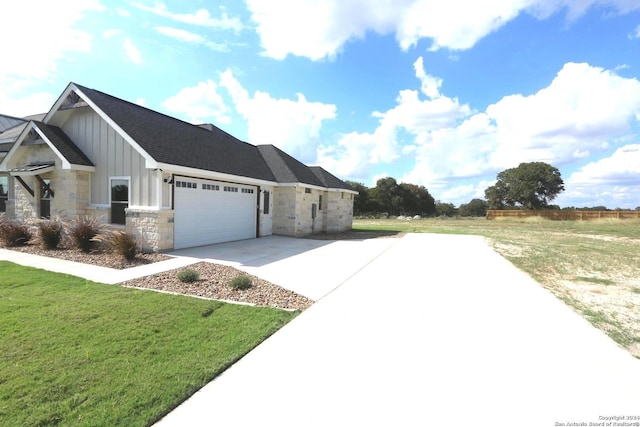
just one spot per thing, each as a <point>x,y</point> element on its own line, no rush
<point>93,272</point>
<point>437,330</point>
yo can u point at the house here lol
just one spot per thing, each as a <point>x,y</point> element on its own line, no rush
<point>169,183</point>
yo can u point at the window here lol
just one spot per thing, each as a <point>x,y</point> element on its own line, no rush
<point>45,198</point>
<point>4,193</point>
<point>320,203</point>
<point>186,184</point>
<point>119,200</point>
<point>231,189</point>
<point>211,187</point>
<point>247,190</point>
<point>265,200</point>
<point>307,190</point>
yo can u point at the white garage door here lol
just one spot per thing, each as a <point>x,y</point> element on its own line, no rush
<point>208,212</point>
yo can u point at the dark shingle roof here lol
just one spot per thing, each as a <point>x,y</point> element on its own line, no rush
<point>5,147</point>
<point>63,144</point>
<point>329,180</point>
<point>285,168</point>
<point>172,141</point>
<point>7,122</point>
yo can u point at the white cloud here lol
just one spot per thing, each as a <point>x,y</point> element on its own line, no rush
<point>141,101</point>
<point>356,152</point>
<point>461,193</point>
<point>621,168</point>
<point>25,105</point>
<point>292,125</point>
<point>132,51</point>
<point>189,37</point>
<point>319,29</point>
<point>111,33</point>
<point>449,143</point>
<point>559,124</point>
<point>201,17</point>
<point>28,68</point>
<point>200,104</point>
<point>636,33</point>
<point>612,181</point>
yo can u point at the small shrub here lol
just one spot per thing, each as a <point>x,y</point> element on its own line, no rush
<point>14,232</point>
<point>123,244</point>
<point>85,233</point>
<point>188,276</point>
<point>208,311</point>
<point>240,283</point>
<point>50,233</point>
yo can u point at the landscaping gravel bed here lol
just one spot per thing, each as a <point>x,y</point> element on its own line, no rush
<point>214,283</point>
<point>213,278</point>
<point>97,257</point>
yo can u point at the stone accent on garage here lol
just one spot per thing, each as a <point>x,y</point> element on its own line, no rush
<point>339,212</point>
<point>293,207</point>
<point>153,229</point>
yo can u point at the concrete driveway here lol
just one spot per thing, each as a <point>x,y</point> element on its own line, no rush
<point>436,330</point>
<point>312,268</point>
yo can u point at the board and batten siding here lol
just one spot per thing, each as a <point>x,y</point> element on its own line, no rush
<point>112,156</point>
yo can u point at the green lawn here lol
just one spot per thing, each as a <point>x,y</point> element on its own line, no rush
<point>75,352</point>
<point>593,266</point>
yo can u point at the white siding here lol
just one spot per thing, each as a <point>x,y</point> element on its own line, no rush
<point>112,156</point>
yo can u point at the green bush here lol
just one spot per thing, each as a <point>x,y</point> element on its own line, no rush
<point>84,232</point>
<point>240,283</point>
<point>14,232</point>
<point>123,244</point>
<point>50,233</point>
<point>188,276</point>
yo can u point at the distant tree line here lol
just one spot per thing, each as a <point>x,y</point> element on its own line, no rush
<point>389,197</point>
<point>529,186</point>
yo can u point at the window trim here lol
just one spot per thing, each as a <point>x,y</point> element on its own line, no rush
<point>119,178</point>
<point>6,197</point>
<point>266,202</point>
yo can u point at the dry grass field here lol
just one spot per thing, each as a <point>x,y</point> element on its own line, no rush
<point>593,266</point>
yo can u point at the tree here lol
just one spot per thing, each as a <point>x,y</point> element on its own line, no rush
<point>531,185</point>
<point>361,202</point>
<point>445,209</point>
<point>387,195</point>
<point>416,200</point>
<point>476,207</point>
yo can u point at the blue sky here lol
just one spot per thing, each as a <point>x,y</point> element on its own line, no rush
<point>441,94</point>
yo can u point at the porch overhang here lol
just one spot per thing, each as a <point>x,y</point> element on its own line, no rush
<point>32,169</point>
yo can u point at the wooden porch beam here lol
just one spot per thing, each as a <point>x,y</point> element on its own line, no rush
<point>45,185</point>
<point>24,184</point>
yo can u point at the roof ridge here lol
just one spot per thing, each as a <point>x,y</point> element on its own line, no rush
<point>142,107</point>
<point>278,151</point>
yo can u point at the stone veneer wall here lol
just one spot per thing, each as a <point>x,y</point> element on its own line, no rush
<point>25,206</point>
<point>11,208</point>
<point>72,193</point>
<point>339,212</point>
<point>292,215</point>
<point>153,229</point>
<point>284,211</point>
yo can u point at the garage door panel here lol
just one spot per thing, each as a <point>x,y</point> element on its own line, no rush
<point>205,213</point>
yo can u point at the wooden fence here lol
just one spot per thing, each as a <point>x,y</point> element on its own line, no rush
<point>567,215</point>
